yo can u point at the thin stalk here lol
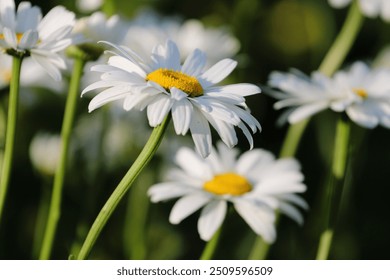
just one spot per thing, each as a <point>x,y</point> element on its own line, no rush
<point>211,246</point>
<point>134,230</point>
<point>67,125</point>
<point>122,188</point>
<point>10,130</point>
<point>42,214</point>
<point>331,62</point>
<point>334,188</point>
<point>344,41</point>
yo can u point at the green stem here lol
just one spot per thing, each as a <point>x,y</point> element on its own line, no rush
<point>109,7</point>
<point>122,188</point>
<point>210,247</point>
<point>42,214</point>
<point>334,189</point>
<point>67,125</point>
<point>293,138</point>
<point>134,230</point>
<point>11,130</point>
<point>331,62</point>
<point>344,41</point>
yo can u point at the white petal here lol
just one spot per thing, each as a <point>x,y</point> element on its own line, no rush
<point>181,116</point>
<point>363,115</point>
<point>255,159</point>
<point>47,64</point>
<point>192,164</point>
<point>339,3</point>
<point>10,37</point>
<point>237,89</point>
<point>159,109</point>
<point>260,219</point>
<point>292,212</point>
<point>100,84</point>
<point>211,218</point>
<point>29,40</point>
<point>27,17</point>
<point>306,111</point>
<point>225,131</point>
<point>138,101</point>
<point>55,19</point>
<point>7,13</point>
<point>227,156</point>
<point>370,8</point>
<point>166,191</point>
<point>194,63</point>
<point>126,65</point>
<point>107,96</point>
<point>217,72</point>
<point>187,205</point>
<point>200,132</point>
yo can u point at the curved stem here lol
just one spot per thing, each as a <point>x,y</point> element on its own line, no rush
<point>344,41</point>
<point>122,188</point>
<point>334,189</point>
<point>331,62</point>
<point>67,125</point>
<point>11,130</point>
<point>210,247</point>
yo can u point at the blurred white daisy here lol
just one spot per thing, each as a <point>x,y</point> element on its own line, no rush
<point>363,93</point>
<point>370,8</point>
<point>94,28</point>
<point>256,184</point>
<point>44,152</point>
<point>98,27</point>
<point>5,70</point>
<point>32,75</point>
<point>25,31</point>
<point>87,6</point>
<point>162,85</point>
<point>191,34</point>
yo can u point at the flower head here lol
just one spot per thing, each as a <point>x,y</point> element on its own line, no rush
<point>26,32</point>
<point>163,85</point>
<point>370,8</point>
<point>45,151</point>
<point>255,183</point>
<point>88,5</point>
<point>362,93</point>
<point>98,27</point>
<point>217,42</point>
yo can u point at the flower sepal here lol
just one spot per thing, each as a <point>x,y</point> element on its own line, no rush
<point>86,52</point>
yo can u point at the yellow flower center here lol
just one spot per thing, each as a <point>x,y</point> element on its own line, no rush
<point>228,183</point>
<point>360,92</point>
<point>170,78</point>
<point>18,37</point>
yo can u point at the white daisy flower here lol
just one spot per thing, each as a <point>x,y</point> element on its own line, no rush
<point>87,6</point>
<point>256,184</point>
<point>44,152</point>
<point>188,35</point>
<point>370,8</point>
<point>32,75</point>
<point>94,28</point>
<point>5,70</point>
<point>162,85</point>
<point>362,93</point>
<point>25,31</point>
<point>98,27</point>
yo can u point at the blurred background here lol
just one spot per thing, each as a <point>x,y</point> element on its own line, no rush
<point>264,36</point>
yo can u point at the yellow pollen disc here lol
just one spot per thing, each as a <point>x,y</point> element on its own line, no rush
<point>228,183</point>
<point>360,92</point>
<point>170,78</point>
<point>18,37</point>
